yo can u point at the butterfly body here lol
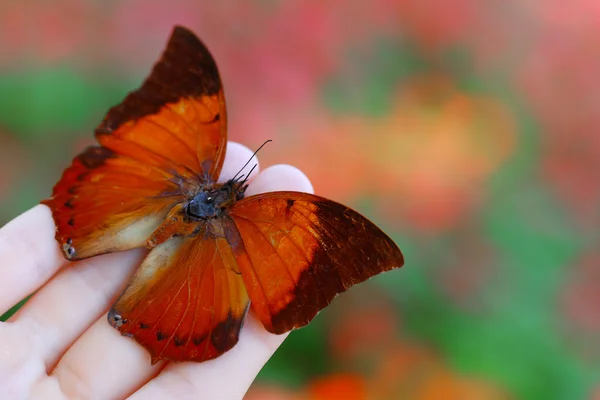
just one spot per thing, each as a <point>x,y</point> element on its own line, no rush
<point>152,181</point>
<point>213,203</point>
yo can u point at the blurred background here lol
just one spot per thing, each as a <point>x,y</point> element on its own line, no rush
<point>469,130</point>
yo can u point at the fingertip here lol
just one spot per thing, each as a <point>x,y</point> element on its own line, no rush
<point>280,177</point>
<point>235,157</point>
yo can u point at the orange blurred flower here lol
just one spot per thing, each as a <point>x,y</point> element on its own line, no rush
<point>427,162</point>
<point>437,149</point>
<point>330,387</point>
<point>412,372</point>
<point>406,372</point>
<point>378,363</point>
<point>338,387</point>
<point>329,151</point>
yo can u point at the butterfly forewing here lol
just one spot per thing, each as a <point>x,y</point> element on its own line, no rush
<point>303,251</point>
<point>105,202</point>
<point>157,148</point>
<point>178,112</point>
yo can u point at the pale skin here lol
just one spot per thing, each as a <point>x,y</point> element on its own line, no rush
<point>60,345</point>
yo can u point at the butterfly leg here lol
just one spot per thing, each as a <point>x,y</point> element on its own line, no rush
<point>177,223</point>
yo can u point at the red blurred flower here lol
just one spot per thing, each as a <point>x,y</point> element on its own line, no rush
<point>329,387</point>
<point>338,387</point>
<point>364,326</point>
<point>436,24</point>
<point>559,78</point>
<point>45,32</point>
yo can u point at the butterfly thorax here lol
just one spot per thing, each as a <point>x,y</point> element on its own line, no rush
<point>210,204</point>
<point>199,213</point>
<point>213,200</point>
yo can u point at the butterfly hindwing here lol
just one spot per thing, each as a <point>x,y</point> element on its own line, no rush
<point>187,301</point>
<point>159,145</point>
<point>303,250</point>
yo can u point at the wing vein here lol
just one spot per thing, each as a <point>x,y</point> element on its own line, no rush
<point>187,306</point>
<point>172,134</point>
<point>296,245</point>
<point>285,267</point>
<point>198,301</point>
<point>212,316</point>
<point>262,288</point>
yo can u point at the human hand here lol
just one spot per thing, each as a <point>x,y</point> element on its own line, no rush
<point>60,345</point>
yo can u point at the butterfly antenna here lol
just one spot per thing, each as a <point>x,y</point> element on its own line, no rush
<point>248,162</point>
<point>248,175</point>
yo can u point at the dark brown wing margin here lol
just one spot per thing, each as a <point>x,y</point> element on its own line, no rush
<point>186,69</point>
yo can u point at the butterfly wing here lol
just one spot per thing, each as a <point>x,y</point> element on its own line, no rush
<point>160,144</point>
<point>298,251</point>
<point>187,301</point>
<point>106,202</point>
<point>178,112</point>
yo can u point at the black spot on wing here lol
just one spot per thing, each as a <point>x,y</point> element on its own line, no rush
<point>95,156</point>
<point>225,335</point>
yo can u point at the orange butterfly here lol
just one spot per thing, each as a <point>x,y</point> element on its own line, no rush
<point>152,182</point>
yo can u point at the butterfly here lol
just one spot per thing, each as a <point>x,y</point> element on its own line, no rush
<point>151,181</point>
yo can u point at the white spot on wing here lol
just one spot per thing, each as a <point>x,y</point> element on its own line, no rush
<point>159,257</point>
<point>138,232</point>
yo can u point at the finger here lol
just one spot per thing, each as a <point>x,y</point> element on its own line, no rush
<point>236,156</point>
<point>63,309</point>
<point>101,361</point>
<point>280,177</point>
<point>229,376</point>
<point>29,254</point>
<point>226,377</point>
